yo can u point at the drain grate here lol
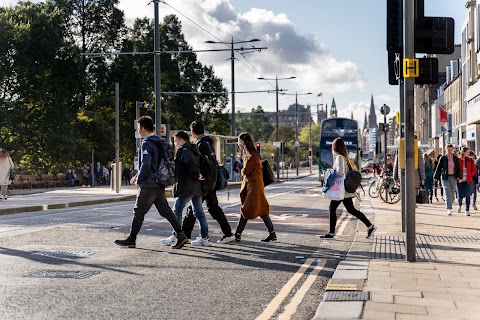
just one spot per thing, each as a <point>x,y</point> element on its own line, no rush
<point>393,248</point>
<point>61,274</point>
<point>64,254</point>
<point>347,296</point>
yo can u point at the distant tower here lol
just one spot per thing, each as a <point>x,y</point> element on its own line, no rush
<point>333,109</point>
<point>372,117</point>
<point>351,114</point>
<point>365,122</point>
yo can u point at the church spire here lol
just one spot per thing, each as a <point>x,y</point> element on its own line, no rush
<point>333,109</point>
<point>365,122</point>
<point>372,117</point>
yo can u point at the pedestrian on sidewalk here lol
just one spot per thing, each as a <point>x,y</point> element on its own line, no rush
<point>437,183</point>
<point>448,170</point>
<point>150,193</point>
<point>204,144</point>
<point>473,185</point>
<point>342,164</point>
<point>6,164</point>
<point>468,170</point>
<point>428,165</point>
<point>188,187</point>
<point>252,191</point>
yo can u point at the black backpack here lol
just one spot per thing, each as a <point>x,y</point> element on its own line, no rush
<point>353,179</point>
<point>165,174</point>
<point>208,169</point>
<point>222,172</point>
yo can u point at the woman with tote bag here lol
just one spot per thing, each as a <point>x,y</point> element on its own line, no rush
<point>6,165</point>
<point>342,164</point>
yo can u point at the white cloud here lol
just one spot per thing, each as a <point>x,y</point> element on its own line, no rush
<point>289,52</point>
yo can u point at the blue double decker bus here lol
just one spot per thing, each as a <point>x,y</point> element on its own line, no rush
<point>331,128</point>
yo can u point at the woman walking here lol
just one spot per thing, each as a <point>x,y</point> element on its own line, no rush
<point>428,164</point>
<point>437,183</point>
<point>468,170</point>
<point>448,170</point>
<point>252,192</point>
<point>342,164</point>
<point>473,185</point>
<point>6,164</point>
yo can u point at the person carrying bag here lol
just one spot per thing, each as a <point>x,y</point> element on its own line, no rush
<point>343,165</point>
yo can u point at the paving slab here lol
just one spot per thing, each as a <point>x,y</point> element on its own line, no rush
<point>350,274</point>
<point>339,310</point>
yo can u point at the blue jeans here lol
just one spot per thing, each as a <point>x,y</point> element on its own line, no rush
<point>429,187</point>
<point>473,189</point>
<point>463,191</point>
<point>180,204</point>
<point>449,186</point>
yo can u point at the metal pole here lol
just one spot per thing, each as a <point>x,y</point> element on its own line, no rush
<point>234,126</point>
<point>310,140</point>
<point>137,115</point>
<point>296,132</point>
<point>92,169</point>
<point>158,94</point>
<point>117,137</point>
<point>277,127</point>
<point>409,52</point>
<point>402,136</point>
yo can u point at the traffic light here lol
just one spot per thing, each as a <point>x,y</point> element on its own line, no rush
<point>272,156</point>
<point>428,73</point>
<point>397,117</point>
<point>259,147</point>
<point>309,152</point>
<point>394,25</point>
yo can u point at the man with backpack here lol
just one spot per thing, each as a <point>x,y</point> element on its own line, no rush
<point>151,192</point>
<point>204,144</point>
<point>188,187</point>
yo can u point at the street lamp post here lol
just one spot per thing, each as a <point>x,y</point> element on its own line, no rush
<point>297,144</point>
<point>276,119</point>
<point>232,58</point>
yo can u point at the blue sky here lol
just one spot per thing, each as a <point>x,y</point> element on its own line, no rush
<point>334,47</point>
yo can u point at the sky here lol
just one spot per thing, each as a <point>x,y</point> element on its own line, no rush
<point>336,48</point>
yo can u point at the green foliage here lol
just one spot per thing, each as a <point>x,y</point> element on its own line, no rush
<point>56,105</point>
<point>256,124</point>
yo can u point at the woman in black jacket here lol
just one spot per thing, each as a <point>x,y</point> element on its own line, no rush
<point>448,170</point>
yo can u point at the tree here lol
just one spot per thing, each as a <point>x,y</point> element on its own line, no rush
<point>257,124</point>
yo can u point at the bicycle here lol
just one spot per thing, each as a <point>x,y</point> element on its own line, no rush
<point>374,190</point>
<point>389,190</point>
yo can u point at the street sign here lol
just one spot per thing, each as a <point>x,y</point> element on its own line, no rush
<point>411,68</point>
<point>277,144</point>
<point>384,109</point>
<point>297,143</point>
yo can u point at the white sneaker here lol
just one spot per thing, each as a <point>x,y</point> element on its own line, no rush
<point>170,240</point>
<point>201,242</point>
<point>467,213</point>
<point>226,239</point>
<point>459,209</point>
<point>449,212</point>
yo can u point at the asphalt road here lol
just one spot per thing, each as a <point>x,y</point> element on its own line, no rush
<point>62,264</point>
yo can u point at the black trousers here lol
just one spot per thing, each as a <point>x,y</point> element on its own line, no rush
<point>243,222</point>
<point>348,203</point>
<point>147,197</point>
<point>215,211</point>
<point>437,182</point>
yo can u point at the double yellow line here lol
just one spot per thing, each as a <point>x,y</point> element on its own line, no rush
<point>291,307</point>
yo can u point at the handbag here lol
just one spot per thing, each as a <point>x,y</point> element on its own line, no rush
<point>12,172</point>
<point>268,176</point>
<point>337,190</point>
<point>422,195</point>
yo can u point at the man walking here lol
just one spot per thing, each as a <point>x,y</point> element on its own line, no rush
<point>188,187</point>
<point>98,171</point>
<point>204,144</point>
<point>151,193</point>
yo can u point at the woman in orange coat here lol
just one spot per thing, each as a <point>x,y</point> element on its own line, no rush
<point>252,192</point>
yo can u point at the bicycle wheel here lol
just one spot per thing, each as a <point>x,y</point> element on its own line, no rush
<point>373,190</point>
<point>387,195</point>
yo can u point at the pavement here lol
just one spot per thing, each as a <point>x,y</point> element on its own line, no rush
<point>443,282</point>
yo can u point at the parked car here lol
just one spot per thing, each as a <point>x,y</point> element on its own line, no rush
<point>367,167</point>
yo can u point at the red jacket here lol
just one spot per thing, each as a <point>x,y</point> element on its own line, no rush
<point>471,168</point>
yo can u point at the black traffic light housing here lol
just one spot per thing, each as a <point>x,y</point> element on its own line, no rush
<point>259,147</point>
<point>432,35</point>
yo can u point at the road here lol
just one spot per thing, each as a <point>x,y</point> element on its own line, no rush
<point>62,264</point>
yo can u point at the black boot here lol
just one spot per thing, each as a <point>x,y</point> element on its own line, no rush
<point>128,243</point>
<point>238,236</point>
<point>271,237</point>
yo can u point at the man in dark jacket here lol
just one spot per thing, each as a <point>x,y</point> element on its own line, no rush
<point>204,144</point>
<point>151,193</point>
<point>188,187</point>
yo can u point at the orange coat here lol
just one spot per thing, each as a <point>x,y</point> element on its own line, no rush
<point>252,191</point>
